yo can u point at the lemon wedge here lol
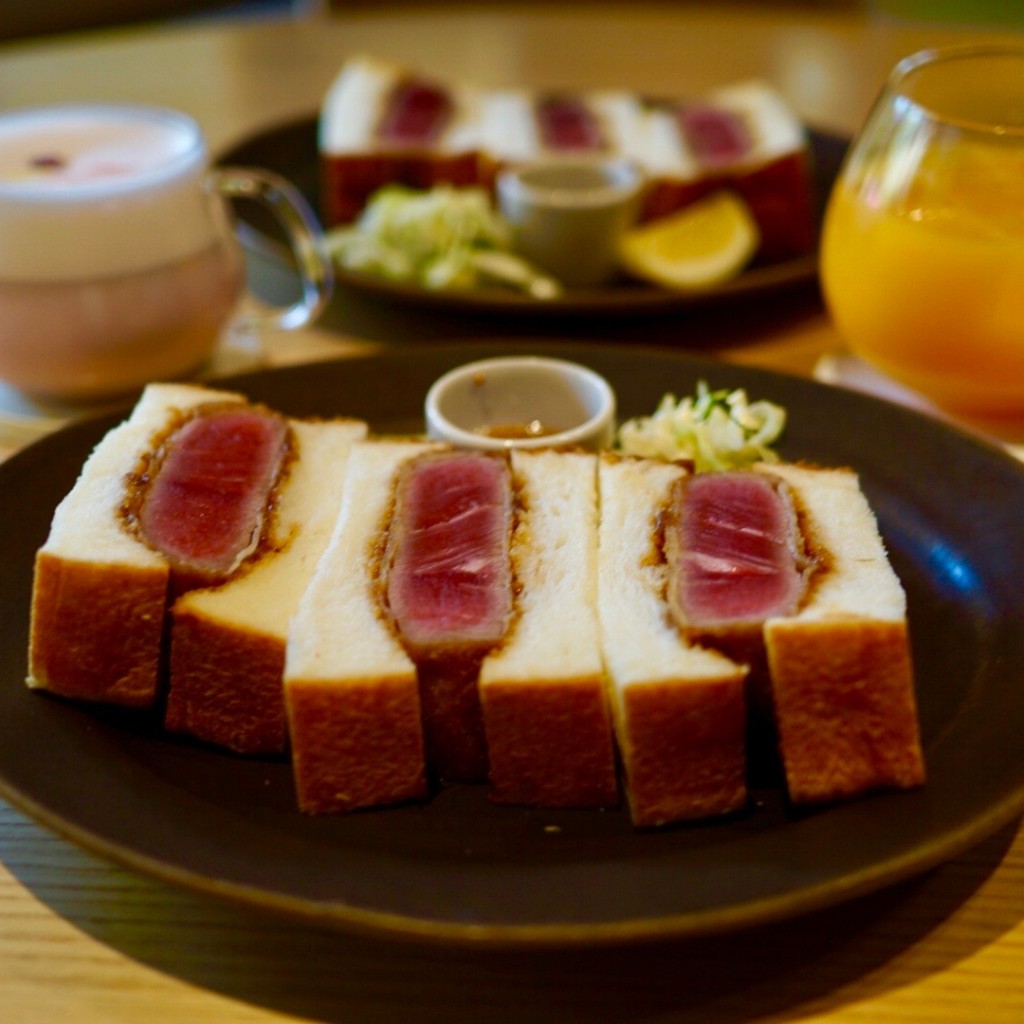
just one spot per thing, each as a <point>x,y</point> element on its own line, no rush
<point>703,245</point>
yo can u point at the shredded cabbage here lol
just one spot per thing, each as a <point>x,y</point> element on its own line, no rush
<point>442,238</point>
<point>719,429</point>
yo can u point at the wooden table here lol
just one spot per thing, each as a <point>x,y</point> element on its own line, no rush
<point>83,941</point>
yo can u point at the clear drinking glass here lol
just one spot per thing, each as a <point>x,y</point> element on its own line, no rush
<point>922,259</point>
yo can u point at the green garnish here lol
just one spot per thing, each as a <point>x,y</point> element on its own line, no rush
<point>719,429</point>
<point>442,238</point>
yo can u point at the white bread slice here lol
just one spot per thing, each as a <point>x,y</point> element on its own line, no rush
<point>841,674</point>
<point>228,641</point>
<point>773,176</point>
<point>355,163</point>
<point>356,99</point>
<point>510,134</point>
<point>679,710</point>
<point>351,691</point>
<point>99,592</point>
<point>543,697</point>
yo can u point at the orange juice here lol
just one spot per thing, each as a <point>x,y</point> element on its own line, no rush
<point>923,271</point>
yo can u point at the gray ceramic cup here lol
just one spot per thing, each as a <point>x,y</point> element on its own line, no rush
<point>568,215</point>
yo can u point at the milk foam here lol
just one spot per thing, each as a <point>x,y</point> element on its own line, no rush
<point>92,191</point>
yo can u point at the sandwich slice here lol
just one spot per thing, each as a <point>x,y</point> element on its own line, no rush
<point>351,690</point>
<point>679,708</point>
<point>782,566</point>
<point>744,138</point>
<point>381,123</point>
<point>522,127</point>
<point>100,591</point>
<point>840,666</point>
<point>545,708</point>
<point>227,642</point>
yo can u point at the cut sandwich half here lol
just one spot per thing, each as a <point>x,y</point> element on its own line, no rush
<point>679,709</point>
<point>840,667</point>
<point>545,708</point>
<point>351,690</point>
<point>227,642</point>
<point>99,590</point>
<point>782,567</point>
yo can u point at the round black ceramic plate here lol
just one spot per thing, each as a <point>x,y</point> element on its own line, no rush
<point>291,150</point>
<point>457,868</point>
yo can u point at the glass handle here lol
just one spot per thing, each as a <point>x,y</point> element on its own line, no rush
<point>304,235</point>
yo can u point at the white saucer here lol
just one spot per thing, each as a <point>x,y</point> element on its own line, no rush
<point>844,369</point>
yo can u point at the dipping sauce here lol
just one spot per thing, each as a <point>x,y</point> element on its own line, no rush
<point>518,431</point>
<point>521,402</point>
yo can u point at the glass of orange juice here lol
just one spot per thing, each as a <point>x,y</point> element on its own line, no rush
<point>922,259</point>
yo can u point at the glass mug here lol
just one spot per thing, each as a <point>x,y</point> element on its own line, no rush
<point>118,262</point>
<point>922,259</point>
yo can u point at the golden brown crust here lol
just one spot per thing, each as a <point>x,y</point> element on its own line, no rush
<point>550,743</point>
<point>96,630</point>
<point>844,705</point>
<point>355,744</point>
<point>225,685</point>
<point>683,749</point>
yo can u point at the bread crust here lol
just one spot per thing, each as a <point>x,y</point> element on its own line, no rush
<point>844,707</point>
<point>361,751</point>
<point>228,685</point>
<point>683,745</point>
<point>96,629</point>
<point>841,668</point>
<point>349,180</point>
<point>549,743</point>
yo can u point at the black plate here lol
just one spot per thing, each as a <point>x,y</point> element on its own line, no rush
<point>291,150</point>
<point>458,868</point>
